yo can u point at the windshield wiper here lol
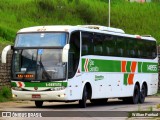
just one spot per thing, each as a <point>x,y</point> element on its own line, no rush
<point>24,75</point>
<point>44,70</point>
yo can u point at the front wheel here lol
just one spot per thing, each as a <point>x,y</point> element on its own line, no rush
<point>39,104</point>
<point>82,103</point>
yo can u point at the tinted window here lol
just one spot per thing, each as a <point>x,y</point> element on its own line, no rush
<point>131,47</point>
<point>87,43</point>
<point>109,45</point>
<point>120,47</point>
<point>153,50</point>
<point>97,47</point>
<point>140,51</point>
<point>74,53</point>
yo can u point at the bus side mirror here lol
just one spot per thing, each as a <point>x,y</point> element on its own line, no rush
<point>4,53</point>
<point>65,53</point>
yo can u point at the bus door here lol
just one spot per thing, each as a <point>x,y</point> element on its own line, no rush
<point>74,75</point>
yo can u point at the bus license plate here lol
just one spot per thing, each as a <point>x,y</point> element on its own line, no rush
<point>36,96</point>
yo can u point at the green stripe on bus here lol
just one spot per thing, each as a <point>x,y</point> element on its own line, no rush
<point>128,67</point>
<point>96,65</point>
<point>83,62</point>
<point>139,67</point>
<point>41,84</point>
<point>13,84</point>
<point>125,81</point>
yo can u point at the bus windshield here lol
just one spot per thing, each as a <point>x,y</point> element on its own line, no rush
<point>38,56</point>
<point>38,64</point>
<point>41,39</point>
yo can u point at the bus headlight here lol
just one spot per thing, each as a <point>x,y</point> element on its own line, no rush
<point>14,96</point>
<point>58,88</point>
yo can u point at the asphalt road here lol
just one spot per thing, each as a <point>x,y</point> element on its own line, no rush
<point>61,110</point>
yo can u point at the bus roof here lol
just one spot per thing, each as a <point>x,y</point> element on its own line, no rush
<point>89,28</point>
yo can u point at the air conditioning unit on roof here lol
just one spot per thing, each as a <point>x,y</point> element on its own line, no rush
<point>146,36</point>
<point>103,28</point>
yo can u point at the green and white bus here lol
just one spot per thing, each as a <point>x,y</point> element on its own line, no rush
<point>80,63</point>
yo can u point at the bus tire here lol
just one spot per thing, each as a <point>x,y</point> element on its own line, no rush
<point>142,94</point>
<point>136,93</point>
<point>39,104</point>
<point>82,103</point>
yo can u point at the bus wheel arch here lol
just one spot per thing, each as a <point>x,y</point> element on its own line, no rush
<point>89,90</point>
<point>86,94</point>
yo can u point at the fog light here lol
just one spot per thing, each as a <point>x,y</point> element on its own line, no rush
<point>62,95</point>
<point>14,96</point>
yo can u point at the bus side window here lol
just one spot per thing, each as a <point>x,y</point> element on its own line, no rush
<point>153,50</point>
<point>98,50</point>
<point>106,48</point>
<point>97,45</point>
<point>140,48</point>
<point>147,50</point>
<point>87,47</point>
<point>131,48</point>
<point>120,46</point>
<point>109,45</point>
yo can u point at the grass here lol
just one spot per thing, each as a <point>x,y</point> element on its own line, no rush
<point>4,43</point>
<point>158,93</point>
<point>134,18</point>
<point>150,109</point>
<point>158,106</point>
<point>5,94</point>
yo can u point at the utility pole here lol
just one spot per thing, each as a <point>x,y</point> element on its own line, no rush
<point>109,13</point>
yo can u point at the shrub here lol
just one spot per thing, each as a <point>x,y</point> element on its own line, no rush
<point>45,5</point>
<point>5,94</point>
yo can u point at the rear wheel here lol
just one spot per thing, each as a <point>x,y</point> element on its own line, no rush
<point>39,104</point>
<point>82,103</point>
<point>135,98</point>
<point>142,94</point>
<point>136,94</point>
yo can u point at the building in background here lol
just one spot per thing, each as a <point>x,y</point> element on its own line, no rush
<point>139,0</point>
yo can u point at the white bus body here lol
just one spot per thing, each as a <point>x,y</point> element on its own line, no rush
<point>106,63</point>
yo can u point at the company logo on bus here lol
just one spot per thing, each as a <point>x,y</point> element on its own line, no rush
<point>35,88</point>
<point>89,66</point>
<point>99,77</point>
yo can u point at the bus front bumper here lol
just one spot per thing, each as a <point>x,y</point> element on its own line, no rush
<point>40,95</point>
